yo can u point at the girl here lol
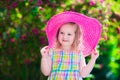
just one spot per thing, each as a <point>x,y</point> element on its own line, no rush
<point>65,60</point>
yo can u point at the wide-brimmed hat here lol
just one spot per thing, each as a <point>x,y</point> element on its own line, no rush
<point>90,28</point>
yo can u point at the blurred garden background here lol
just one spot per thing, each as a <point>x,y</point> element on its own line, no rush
<point>22,35</point>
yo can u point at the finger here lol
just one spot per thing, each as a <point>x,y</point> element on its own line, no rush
<point>43,51</point>
<point>94,49</point>
<point>46,47</point>
<point>95,53</point>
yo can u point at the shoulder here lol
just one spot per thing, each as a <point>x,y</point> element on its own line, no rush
<point>81,54</point>
<point>50,51</point>
<point>53,51</point>
<point>57,49</point>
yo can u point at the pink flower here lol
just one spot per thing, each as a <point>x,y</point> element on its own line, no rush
<point>35,31</point>
<point>43,30</point>
<point>14,4</point>
<point>100,11</point>
<point>45,21</point>
<point>118,30</point>
<point>92,3</point>
<point>22,37</point>
<point>26,25</point>
<point>105,37</point>
<point>101,66</point>
<point>41,9</point>
<point>39,2</point>
<point>12,40</point>
<point>30,1</point>
<point>106,25</point>
<point>42,40</point>
<point>81,1</point>
<point>8,8</point>
<point>27,61</point>
<point>101,1</point>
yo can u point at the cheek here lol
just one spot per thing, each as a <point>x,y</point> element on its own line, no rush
<point>59,37</point>
<point>72,38</point>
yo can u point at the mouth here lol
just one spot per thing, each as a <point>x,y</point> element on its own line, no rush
<point>65,40</point>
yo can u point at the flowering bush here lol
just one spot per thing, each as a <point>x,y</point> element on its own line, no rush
<point>22,34</point>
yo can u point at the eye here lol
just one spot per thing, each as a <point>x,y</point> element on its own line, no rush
<point>61,33</point>
<point>69,34</point>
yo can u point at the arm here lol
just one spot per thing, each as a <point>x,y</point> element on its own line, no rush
<point>45,61</point>
<point>86,69</point>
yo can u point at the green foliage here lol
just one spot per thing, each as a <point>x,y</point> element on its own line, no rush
<point>22,34</point>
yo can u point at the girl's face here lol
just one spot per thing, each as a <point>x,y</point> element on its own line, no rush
<point>66,35</point>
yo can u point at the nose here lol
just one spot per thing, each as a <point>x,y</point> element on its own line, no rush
<point>65,36</point>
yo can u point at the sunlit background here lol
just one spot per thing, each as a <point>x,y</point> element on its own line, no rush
<point>22,35</point>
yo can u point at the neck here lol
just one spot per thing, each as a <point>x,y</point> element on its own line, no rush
<point>66,49</point>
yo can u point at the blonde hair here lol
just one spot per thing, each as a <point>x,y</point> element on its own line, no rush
<point>76,40</point>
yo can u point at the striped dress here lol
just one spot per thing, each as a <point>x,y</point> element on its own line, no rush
<point>65,66</point>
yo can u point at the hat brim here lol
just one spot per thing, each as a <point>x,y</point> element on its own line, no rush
<point>90,28</point>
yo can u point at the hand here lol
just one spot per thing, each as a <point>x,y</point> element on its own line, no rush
<point>94,54</point>
<point>44,51</point>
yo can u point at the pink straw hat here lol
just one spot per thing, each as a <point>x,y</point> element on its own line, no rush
<point>90,28</point>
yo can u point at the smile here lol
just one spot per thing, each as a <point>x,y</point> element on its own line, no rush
<point>65,40</point>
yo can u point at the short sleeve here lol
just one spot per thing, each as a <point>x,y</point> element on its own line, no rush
<point>51,51</point>
<point>82,61</point>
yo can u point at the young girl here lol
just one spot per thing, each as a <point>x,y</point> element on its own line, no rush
<point>63,59</point>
